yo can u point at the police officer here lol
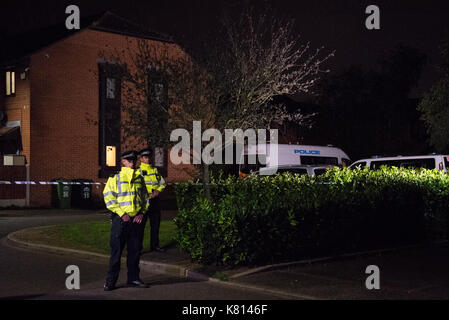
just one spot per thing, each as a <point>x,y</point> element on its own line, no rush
<point>126,196</point>
<point>155,184</point>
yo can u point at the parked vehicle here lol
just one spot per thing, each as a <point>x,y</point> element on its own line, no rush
<point>255,157</point>
<point>434,161</point>
<point>301,169</point>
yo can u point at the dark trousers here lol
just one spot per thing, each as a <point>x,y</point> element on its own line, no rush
<point>154,215</point>
<point>124,234</point>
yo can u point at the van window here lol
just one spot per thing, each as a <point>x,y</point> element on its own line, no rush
<point>311,160</point>
<point>292,170</point>
<point>427,163</point>
<point>319,172</point>
<point>446,163</point>
<point>360,165</point>
<point>247,168</point>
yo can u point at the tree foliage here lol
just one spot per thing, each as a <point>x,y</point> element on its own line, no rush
<point>435,105</point>
<point>368,111</point>
<point>229,81</point>
<point>264,60</point>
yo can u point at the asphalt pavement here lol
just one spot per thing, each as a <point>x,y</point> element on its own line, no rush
<point>414,272</point>
<point>33,271</point>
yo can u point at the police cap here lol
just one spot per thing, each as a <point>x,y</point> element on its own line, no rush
<point>145,152</point>
<point>129,155</point>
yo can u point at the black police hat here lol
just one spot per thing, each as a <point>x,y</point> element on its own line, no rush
<point>145,152</point>
<point>129,155</point>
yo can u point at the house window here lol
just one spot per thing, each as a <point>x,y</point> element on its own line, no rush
<point>159,93</point>
<point>10,83</point>
<point>110,88</point>
<point>109,119</point>
<point>158,157</point>
<point>111,156</point>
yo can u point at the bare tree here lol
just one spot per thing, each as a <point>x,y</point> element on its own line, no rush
<point>229,84</point>
<point>145,71</point>
<point>265,59</point>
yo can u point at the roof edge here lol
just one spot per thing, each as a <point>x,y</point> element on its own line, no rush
<point>95,24</point>
<point>135,35</point>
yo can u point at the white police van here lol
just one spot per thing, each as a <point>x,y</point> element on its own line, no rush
<point>295,169</point>
<point>255,157</point>
<point>434,161</point>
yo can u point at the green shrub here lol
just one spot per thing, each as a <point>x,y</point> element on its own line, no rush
<point>274,218</point>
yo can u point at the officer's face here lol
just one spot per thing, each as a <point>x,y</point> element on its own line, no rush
<point>129,163</point>
<point>145,159</point>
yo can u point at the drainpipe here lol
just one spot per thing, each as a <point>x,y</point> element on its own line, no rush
<point>27,201</point>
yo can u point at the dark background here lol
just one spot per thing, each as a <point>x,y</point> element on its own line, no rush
<point>335,25</point>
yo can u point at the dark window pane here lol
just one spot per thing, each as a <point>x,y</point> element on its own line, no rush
<point>247,167</point>
<point>319,172</point>
<point>293,170</point>
<point>311,160</point>
<point>110,88</point>
<point>405,163</point>
<point>159,93</point>
<point>360,165</point>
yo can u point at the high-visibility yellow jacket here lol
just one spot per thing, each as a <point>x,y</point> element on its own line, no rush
<point>125,193</point>
<point>153,180</point>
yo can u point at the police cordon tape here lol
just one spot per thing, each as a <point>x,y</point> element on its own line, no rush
<point>55,182</point>
<point>48,182</point>
<point>96,183</point>
<point>69,183</point>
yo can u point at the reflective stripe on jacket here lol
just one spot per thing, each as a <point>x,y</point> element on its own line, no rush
<point>153,180</point>
<point>124,193</point>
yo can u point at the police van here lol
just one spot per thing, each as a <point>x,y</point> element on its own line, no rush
<point>295,169</point>
<point>434,161</point>
<point>255,157</point>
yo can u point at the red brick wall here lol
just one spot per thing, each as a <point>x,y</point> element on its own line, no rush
<point>64,93</point>
<point>12,191</point>
<point>2,92</point>
<point>18,109</point>
<point>180,172</point>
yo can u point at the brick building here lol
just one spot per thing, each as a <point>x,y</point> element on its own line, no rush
<point>51,81</point>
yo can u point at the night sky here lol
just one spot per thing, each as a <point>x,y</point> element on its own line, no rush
<point>336,25</point>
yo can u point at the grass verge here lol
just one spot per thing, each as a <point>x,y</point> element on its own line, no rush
<point>90,236</point>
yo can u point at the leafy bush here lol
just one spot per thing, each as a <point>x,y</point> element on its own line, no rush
<point>273,218</point>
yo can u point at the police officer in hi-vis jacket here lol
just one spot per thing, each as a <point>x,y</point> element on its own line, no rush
<point>126,196</point>
<point>155,183</point>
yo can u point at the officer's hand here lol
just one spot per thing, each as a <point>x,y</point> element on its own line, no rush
<point>125,218</point>
<point>154,194</point>
<point>138,218</point>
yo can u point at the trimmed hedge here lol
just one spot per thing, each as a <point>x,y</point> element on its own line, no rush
<point>277,218</point>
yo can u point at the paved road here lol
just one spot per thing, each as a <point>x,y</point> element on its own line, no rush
<point>414,273</point>
<point>35,275</point>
